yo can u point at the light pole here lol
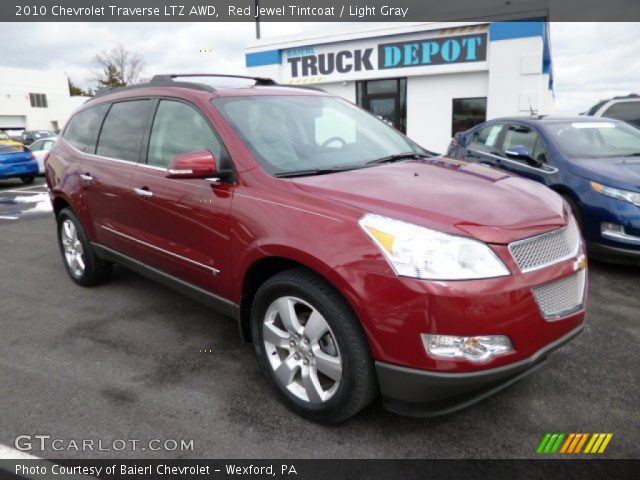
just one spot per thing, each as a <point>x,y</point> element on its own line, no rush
<point>257,20</point>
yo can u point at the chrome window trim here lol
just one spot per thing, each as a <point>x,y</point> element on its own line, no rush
<point>117,160</point>
<point>557,231</point>
<point>215,271</point>
<point>547,171</point>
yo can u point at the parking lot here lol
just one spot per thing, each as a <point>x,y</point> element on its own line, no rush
<point>134,360</point>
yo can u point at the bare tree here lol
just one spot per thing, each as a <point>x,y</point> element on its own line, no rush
<point>129,64</point>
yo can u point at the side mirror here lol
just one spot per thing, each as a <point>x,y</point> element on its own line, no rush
<point>518,152</point>
<point>198,164</point>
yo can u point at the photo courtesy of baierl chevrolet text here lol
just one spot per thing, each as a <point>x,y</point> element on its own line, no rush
<point>320,239</point>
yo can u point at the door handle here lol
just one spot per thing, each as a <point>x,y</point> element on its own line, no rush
<point>143,192</point>
<point>86,177</point>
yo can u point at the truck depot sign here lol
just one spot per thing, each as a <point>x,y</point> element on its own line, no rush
<point>306,62</point>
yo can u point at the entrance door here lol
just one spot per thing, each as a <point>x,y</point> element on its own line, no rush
<point>386,99</point>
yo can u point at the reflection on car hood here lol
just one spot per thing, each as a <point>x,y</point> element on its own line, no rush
<point>615,172</point>
<point>448,195</point>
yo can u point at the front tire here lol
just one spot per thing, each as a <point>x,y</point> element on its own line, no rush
<point>82,264</point>
<point>311,347</point>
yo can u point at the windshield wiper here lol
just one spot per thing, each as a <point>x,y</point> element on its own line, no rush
<point>398,157</point>
<point>315,171</point>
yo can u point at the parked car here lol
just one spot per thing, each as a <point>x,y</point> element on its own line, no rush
<point>5,139</point>
<point>356,263</point>
<point>592,162</point>
<point>30,136</point>
<point>17,162</point>
<point>40,148</point>
<point>621,108</point>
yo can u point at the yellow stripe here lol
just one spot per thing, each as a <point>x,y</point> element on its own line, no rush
<point>584,439</point>
<point>590,444</point>
<point>574,443</point>
<point>605,443</point>
<point>598,442</point>
<point>567,442</point>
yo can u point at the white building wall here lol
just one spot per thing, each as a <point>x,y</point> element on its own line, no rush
<point>430,105</point>
<point>346,90</point>
<point>15,106</point>
<point>515,78</point>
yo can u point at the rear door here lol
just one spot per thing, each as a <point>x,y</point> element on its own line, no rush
<point>482,145</point>
<point>107,174</point>
<point>182,225</point>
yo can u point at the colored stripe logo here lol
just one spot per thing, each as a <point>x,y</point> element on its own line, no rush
<point>573,443</point>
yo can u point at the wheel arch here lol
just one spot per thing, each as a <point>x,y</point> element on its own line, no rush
<point>265,267</point>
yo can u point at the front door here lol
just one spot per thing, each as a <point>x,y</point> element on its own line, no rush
<point>182,225</point>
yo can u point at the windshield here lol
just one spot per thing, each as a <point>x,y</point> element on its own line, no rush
<point>4,136</point>
<point>596,139</point>
<point>298,133</point>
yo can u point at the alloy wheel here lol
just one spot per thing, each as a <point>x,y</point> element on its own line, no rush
<point>302,350</point>
<point>73,250</point>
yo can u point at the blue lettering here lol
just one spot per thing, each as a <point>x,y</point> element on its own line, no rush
<point>429,49</point>
<point>471,43</point>
<point>411,54</point>
<point>451,50</point>
<point>392,56</point>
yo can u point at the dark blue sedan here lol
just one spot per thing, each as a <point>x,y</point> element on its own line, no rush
<point>594,163</point>
<point>17,162</point>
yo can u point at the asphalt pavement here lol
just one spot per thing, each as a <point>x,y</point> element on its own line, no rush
<point>132,360</point>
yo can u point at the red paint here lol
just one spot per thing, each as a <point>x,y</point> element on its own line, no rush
<point>313,221</point>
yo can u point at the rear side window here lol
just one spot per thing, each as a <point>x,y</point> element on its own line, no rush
<point>123,129</point>
<point>83,127</point>
<point>180,128</point>
<point>627,111</point>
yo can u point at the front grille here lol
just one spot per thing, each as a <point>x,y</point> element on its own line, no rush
<point>561,297</point>
<point>547,249</point>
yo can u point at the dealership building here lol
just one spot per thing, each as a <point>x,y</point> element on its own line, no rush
<point>430,80</point>
<point>35,99</point>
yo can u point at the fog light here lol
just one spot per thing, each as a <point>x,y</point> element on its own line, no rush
<point>474,349</point>
<point>612,228</point>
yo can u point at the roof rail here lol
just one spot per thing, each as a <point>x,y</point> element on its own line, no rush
<point>170,78</point>
<point>108,90</point>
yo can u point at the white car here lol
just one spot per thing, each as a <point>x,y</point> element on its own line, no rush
<point>626,109</point>
<point>40,149</point>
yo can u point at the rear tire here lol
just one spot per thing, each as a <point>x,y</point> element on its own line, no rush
<point>317,359</point>
<point>83,265</point>
<point>28,180</point>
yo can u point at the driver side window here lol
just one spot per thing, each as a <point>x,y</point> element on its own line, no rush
<point>520,135</point>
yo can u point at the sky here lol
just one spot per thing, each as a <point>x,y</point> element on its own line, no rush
<point>592,61</point>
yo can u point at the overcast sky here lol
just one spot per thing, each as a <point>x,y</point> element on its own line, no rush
<point>591,61</point>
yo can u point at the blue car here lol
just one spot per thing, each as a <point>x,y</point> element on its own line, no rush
<point>17,162</point>
<point>594,163</point>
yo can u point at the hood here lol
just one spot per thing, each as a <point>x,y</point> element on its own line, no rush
<point>615,172</point>
<point>447,195</point>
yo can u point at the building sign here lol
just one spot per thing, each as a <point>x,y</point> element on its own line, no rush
<point>433,51</point>
<point>306,62</point>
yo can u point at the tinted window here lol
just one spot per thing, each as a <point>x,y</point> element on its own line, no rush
<point>467,113</point>
<point>596,139</point>
<point>179,128</point>
<point>539,152</point>
<point>37,146</point>
<point>82,128</point>
<point>487,136</point>
<point>627,111</point>
<point>520,135</point>
<point>122,131</point>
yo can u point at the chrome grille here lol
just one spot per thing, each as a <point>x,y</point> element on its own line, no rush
<point>547,249</point>
<point>561,297</point>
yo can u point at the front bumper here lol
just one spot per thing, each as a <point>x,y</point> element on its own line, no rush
<point>422,393</point>
<point>607,253</point>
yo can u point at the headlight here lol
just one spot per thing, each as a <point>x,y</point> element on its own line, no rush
<point>625,195</point>
<point>419,252</point>
<point>474,349</point>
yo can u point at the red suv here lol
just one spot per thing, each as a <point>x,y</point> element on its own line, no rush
<point>357,263</point>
